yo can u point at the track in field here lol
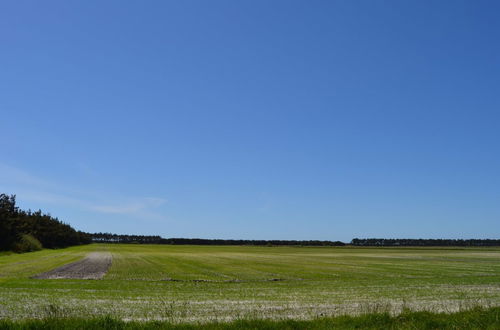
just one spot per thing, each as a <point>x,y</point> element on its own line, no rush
<point>93,267</point>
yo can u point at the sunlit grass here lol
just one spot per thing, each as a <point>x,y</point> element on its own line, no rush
<point>476,318</point>
<point>222,283</point>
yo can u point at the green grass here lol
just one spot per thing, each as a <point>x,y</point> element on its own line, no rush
<point>473,319</point>
<point>224,283</point>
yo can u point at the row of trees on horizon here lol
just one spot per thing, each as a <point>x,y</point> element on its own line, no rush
<point>144,239</point>
<point>423,242</point>
<point>141,239</point>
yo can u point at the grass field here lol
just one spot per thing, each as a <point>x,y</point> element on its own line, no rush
<point>215,283</point>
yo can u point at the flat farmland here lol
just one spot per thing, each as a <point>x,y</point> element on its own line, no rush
<point>221,283</point>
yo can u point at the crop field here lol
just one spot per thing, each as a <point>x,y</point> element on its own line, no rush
<point>224,283</point>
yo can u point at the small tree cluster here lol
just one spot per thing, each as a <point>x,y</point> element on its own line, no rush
<point>26,230</point>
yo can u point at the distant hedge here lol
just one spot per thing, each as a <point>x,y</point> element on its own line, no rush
<point>145,239</point>
<point>424,242</point>
<point>141,239</point>
<point>24,231</point>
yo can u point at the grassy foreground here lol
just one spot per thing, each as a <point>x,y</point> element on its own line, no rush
<point>206,284</point>
<point>473,319</point>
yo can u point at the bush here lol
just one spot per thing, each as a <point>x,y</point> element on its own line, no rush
<point>27,243</point>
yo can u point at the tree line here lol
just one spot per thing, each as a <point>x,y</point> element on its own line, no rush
<point>125,239</point>
<point>424,242</point>
<point>144,239</point>
<point>201,241</point>
<point>23,231</point>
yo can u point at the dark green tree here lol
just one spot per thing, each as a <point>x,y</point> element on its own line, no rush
<point>17,227</point>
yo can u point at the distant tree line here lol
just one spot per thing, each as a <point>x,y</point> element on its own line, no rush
<point>145,239</point>
<point>424,242</point>
<point>200,241</point>
<point>23,231</point>
<point>115,238</point>
<point>142,239</point>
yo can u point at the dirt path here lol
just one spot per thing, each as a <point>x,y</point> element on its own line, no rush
<point>93,267</point>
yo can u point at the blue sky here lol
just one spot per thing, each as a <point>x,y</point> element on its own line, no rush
<point>254,119</point>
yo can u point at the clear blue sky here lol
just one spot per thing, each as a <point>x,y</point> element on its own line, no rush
<point>254,119</point>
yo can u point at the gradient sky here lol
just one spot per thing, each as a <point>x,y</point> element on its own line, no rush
<point>254,119</point>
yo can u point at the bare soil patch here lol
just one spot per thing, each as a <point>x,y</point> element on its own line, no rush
<point>93,267</point>
<point>225,281</point>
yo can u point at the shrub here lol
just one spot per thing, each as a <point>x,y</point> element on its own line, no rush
<point>27,243</point>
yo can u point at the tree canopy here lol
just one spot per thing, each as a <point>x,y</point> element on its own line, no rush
<point>15,224</point>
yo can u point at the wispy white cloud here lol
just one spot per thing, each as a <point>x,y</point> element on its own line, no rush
<point>137,206</point>
<point>9,174</point>
<point>34,189</point>
<point>42,196</point>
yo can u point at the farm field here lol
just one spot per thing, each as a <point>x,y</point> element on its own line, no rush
<point>223,283</point>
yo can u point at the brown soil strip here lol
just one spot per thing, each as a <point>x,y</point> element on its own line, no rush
<point>93,267</point>
<point>227,281</point>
